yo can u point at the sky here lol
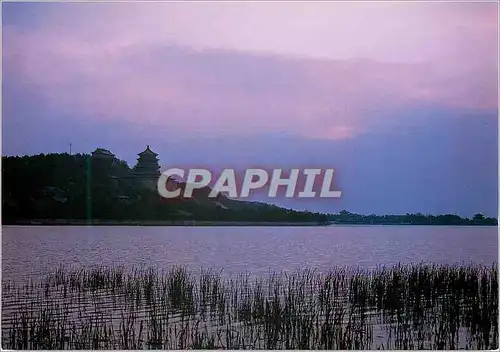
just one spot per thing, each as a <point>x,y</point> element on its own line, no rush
<point>400,98</point>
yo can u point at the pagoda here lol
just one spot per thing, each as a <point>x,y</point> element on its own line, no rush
<point>147,170</point>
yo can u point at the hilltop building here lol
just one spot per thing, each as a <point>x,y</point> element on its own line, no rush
<point>147,170</point>
<point>103,154</point>
<point>102,170</point>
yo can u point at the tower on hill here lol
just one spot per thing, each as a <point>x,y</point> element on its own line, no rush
<point>147,169</point>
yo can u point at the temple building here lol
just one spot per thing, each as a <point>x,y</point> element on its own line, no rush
<point>147,170</point>
<point>103,154</point>
<point>102,169</point>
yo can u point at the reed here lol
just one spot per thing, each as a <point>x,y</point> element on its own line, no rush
<point>410,306</point>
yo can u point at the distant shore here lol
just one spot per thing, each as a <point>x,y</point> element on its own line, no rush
<point>96,222</point>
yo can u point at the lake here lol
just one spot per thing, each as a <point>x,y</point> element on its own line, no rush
<point>32,251</point>
<point>450,305</point>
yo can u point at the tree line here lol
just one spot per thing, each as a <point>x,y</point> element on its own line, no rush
<point>345,217</point>
<point>80,187</point>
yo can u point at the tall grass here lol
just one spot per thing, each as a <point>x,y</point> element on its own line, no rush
<point>414,306</point>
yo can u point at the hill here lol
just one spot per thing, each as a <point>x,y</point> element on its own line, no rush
<point>77,187</point>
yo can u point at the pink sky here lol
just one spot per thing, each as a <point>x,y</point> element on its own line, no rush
<point>311,69</point>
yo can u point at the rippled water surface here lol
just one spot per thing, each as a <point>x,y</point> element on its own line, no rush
<point>32,251</point>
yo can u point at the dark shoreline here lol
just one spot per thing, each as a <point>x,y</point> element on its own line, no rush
<point>77,222</point>
<point>46,222</point>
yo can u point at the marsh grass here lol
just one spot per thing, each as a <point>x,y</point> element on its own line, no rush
<point>418,306</point>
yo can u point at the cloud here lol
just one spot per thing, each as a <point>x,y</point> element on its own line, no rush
<point>224,91</point>
<point>381,31</point>
<point>321,70</point>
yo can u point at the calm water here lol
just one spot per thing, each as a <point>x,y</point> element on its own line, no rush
<point>32,251</point>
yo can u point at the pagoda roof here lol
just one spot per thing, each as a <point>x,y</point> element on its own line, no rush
<point>147,152</point>
<point>102,151</point>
